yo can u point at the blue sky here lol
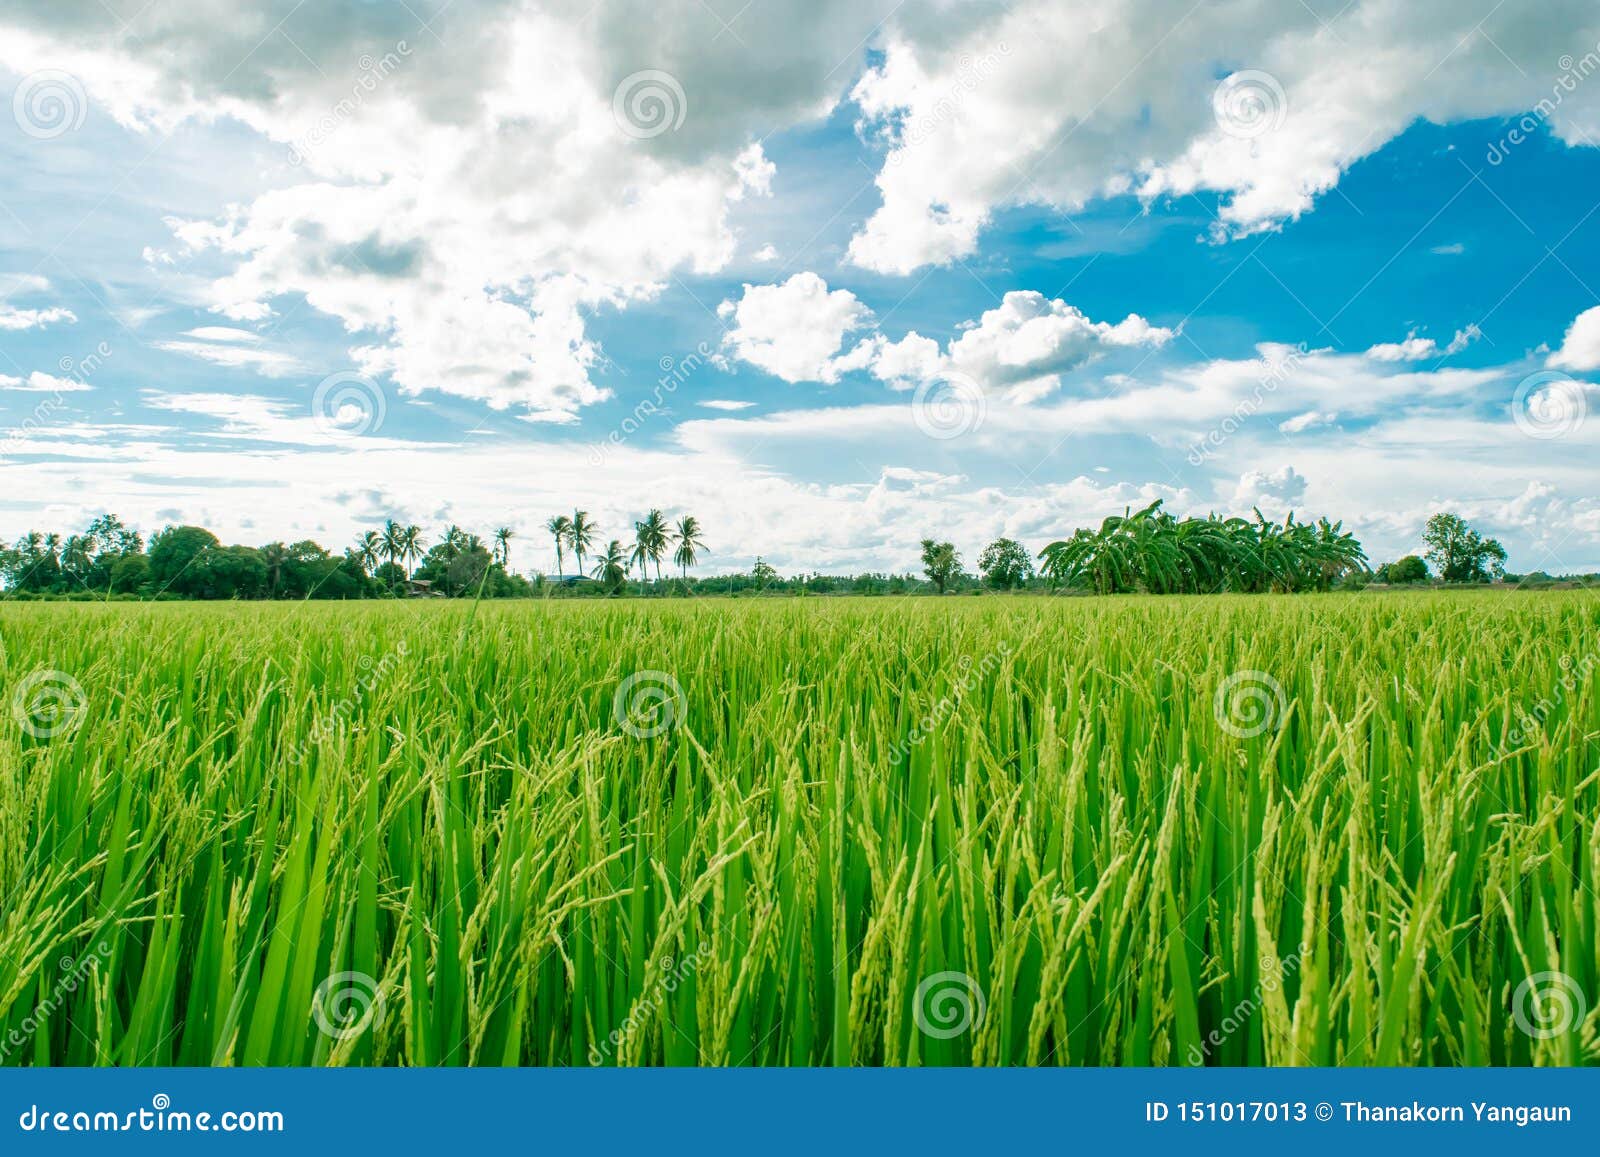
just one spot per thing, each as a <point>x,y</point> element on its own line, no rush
<point>879,274</point>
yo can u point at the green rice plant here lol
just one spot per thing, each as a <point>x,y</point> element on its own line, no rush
<point>1324,829</point>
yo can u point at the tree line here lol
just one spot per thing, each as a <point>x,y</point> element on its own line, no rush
<point>1147,551</point>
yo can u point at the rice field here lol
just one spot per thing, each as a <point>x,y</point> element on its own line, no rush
<point>1347,829</point>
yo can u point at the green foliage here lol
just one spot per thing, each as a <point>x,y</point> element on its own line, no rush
<point>1154,552</point>
<point>1461,554</point>
<point>1406,570</point>
<point>940,563</point>
<point>1005,564</point>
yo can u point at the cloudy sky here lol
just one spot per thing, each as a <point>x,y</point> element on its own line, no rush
<point>831,276</point>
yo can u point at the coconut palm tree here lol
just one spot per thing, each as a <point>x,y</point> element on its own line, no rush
<point>560,528</point>
<point>394,541</point>
<point>652,536</point>
<point>687,536</point>
<point>367,549</point>
<point>412,542</point>
<point>612,567</point>
<point>502,546</point>
<point>580,535</point>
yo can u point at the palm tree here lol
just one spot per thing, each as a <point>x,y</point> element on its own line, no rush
<point>652,536</point>
<point>612,567</point>
<point>274,554</point>
<point>411,544</point>
<point>580,535</point>
<point>687,536</point>
<point>502,545</point>
<point>560,528</point>
<point>394,541</point>
<point>368,547</point>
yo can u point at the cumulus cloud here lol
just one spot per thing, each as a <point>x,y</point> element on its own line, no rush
<point>1580,349</point>
<point>794,330</point>
<point>978,114</point>
<point>1416,349</point>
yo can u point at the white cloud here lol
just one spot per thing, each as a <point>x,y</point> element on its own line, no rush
<point>20,319</point>
<point>1416,349</point>
<point>796,330</point>
<point>1580,350</point>
<point>1310,420</point>
<point>979,113</point>
<point>1273,490</point>
<point>42,383</point>
<point>725,404</point>
<point>229,353</point>
<point>793,330</point>
<point>765,253</point>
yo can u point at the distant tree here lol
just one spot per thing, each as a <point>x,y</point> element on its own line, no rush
<point>1461,554</point>
<point>687,536</point>
<point>940,562</point>
<point>1409,569</point>
<point>611,569</point>
<point>560,528</point>
<point>130,573</point>
<point>466,570</point>
<point>580,535</point>
<point>1005,564</point>
<point>174,553</point>
<point>367,549</point>
<point>502,546</point>
<point>764,573</point>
